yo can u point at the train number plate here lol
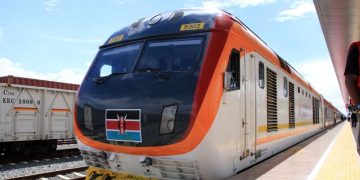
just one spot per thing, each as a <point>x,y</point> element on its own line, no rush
<point>192,26</point>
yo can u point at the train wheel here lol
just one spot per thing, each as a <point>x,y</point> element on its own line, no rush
<point>16,147</point>
<point>13,149</point>
<point>2,149</point>
<point>52,145</point>
<point>41,146</point>
<point>27,148</point>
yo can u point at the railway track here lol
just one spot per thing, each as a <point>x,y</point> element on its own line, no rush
<point>39,157</point>
<point>66,174</point>
<point>51,167</point>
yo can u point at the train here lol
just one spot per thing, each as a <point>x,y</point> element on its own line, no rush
<point>190,94</point>
<point>332,115</point>
<point>35,115</point>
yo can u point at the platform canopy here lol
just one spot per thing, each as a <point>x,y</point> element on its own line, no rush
<point>340,23</point>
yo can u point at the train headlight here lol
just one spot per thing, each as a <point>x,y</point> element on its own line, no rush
<point>168,119</point>
<point>88,118</point>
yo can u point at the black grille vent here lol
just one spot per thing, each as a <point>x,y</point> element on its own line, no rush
<point>136,24</point>
<point>271,100</point>
<point>315,103</point>
<point>176,15</point>
<point>291,106</point>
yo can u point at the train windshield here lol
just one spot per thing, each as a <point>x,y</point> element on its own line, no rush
<point>171,55</point>
<point>176,55</point>
<point>119,60</point>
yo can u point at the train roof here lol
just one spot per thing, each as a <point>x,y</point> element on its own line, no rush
<point>9,80</point>
<point>329,104</point>
<point>166,23</point>
<point>203,20</point>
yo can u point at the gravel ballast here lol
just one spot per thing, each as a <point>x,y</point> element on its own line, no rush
<point>8,171</point>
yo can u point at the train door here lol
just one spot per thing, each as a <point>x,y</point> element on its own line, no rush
<point>242,99</point>
<point>247,103</point>
<point>250,101</point>
<point>256,94</point>
<point>234,98</point>
<point>322,113</point>
<point>239,83</point>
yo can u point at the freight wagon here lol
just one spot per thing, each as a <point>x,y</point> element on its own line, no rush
<point>34,114</point>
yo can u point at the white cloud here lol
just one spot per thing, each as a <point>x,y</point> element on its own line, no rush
<point>68,75</point>
<point>51,5</point>
<point>74,40</point>
<point>299,9</point>
<point>240,3</point>
<point>323,82</point>
<point>190,4</point>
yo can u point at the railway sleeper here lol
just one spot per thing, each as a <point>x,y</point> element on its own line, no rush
<point>26,148</point>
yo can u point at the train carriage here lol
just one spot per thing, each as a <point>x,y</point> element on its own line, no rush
<point>190,94</point>
<point>332,115</point>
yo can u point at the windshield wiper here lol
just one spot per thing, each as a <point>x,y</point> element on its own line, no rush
<point>104,78</point>
<point>157,71</point>
<point>148,69</point>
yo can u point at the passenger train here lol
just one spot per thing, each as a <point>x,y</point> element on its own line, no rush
<point>332,115</point>
<point>190,94</point>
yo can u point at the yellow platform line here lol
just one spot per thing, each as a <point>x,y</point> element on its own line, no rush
<point>343,159</point>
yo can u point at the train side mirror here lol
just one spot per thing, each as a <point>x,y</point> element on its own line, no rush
<point>227,81</point>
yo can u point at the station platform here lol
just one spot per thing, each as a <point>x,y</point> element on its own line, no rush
<point>332,154</point>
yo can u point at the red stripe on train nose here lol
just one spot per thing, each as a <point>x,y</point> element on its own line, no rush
<point>130,125</point>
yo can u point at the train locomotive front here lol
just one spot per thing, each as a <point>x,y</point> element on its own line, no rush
<point>143,108</point>
<point>190,94</point>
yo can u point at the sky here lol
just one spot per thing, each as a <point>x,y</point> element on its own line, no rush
<point>58,39</point>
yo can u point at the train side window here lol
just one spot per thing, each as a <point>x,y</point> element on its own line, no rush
<point>298,89</point>
<point>285,87</point>
<point>233,70</point>
<point>261,75</point>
